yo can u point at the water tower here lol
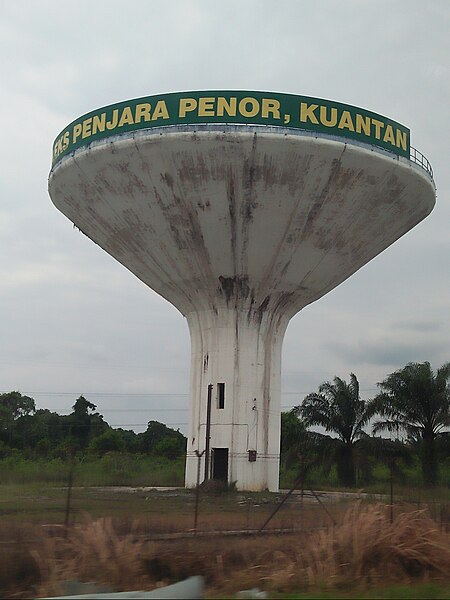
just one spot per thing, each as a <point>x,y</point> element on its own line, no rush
<point>240,208</point>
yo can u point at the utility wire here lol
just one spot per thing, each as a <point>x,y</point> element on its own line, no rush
<point>144,395</point>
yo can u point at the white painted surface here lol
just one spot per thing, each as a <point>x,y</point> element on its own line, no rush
<point>239,228</point>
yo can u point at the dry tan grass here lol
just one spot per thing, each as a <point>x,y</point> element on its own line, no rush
<point>366,549</point>
<point>93,551</point>
<point>412,546</point>
<point>16,563</point>
<point>363,550</point>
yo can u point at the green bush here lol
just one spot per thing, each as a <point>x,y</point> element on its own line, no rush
<point>109,441</point>
<point>114,468</point>
<point>14,469</point>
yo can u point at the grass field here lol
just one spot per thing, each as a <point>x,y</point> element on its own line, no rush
<point>123,538</point>
<point>113,468</point>
<point>162,511</point>
<point>423,591</point>
<point>344,545</point>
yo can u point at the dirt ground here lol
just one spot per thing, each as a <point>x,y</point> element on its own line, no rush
<point>146,536</point>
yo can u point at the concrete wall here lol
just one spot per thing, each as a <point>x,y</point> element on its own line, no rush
<point>239,228</point>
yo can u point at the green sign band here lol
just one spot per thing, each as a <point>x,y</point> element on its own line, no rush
<point>243,107</point>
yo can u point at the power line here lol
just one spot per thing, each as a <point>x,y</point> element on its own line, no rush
<point>153,410</point>
<point>129,410</point>
<point>144,424</point>
<point>149,394</point>
<point>165,394</point>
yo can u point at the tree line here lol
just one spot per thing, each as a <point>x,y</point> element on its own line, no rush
<point>412,407</point>
<point>43,433</point>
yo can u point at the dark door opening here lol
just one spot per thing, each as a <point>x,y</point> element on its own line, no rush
<point>220,463</point>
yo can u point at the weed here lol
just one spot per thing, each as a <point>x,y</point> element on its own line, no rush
<point>93,551</point>
<point>365,551</point>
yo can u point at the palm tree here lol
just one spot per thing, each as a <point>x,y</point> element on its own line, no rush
<point>300,448</point>
<point>338,408</point>
<point>416,400</point>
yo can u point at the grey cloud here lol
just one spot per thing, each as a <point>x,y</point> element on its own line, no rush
<point>419,326</point>
<point>391,353</point>
<point>72,319</point>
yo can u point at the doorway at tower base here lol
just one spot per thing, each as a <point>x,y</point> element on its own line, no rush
<point>245,471</point>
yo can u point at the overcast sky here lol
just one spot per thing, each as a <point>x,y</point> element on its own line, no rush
<point>74,321</point>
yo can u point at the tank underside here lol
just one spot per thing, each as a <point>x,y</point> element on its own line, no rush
<point>239,227</point>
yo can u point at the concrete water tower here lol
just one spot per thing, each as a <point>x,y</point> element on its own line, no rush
<point>240,208</point>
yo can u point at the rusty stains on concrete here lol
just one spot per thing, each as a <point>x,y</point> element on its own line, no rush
<point>234,288</point>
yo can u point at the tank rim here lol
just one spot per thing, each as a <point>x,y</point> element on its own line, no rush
<point>417,160</point>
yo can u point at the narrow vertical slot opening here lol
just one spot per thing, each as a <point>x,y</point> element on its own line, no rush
<point>220,395</point>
